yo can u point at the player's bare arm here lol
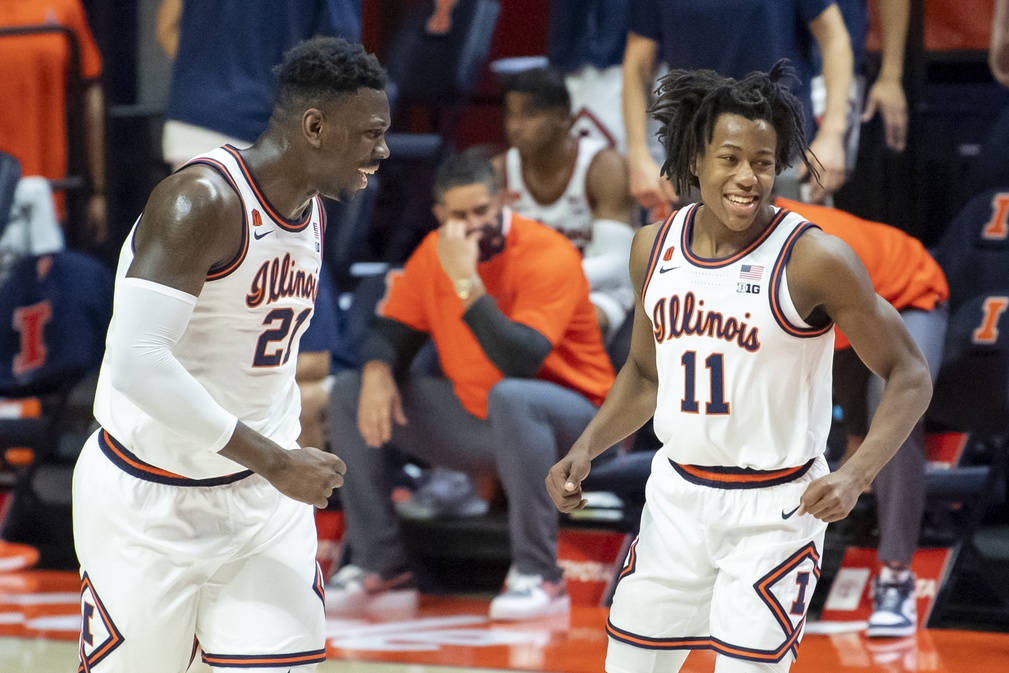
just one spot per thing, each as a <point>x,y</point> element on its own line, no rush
<point>827,281</point>
<point>191,222</point>
<point>608,186</point>
<point>631,400</point>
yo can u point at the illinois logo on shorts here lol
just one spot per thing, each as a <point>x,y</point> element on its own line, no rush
<point>99,635</point>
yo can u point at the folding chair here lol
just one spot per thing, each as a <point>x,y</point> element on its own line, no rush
<point>54,312</point>
<point>972,395</point>
<point>974,250</point>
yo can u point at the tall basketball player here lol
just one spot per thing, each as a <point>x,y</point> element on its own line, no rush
<point>731,352</point>
<point>193,502</point>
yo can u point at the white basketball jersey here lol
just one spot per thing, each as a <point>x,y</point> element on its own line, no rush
<point>241,343</point>
<point>571,214</point>
<point>743,380</point>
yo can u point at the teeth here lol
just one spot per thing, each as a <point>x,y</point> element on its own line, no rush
<point>741,201</point>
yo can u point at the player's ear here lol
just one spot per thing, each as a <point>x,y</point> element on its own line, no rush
<point>312,121</point>
<point>439,212</point>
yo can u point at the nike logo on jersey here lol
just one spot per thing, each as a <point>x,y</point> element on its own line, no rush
<point>258,235</point>
<point>667,268</point>
<point>787,516</point>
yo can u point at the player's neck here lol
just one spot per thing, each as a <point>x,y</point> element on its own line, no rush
<point>278,177</point>
<point>712,239</point>
<point>556,157</point>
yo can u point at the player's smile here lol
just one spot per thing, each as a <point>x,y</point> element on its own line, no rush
<point>736,172</point>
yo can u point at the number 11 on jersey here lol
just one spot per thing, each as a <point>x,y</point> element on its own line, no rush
<point>715,366</point>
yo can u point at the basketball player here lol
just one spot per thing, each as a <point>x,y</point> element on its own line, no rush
<point>578,186</point>
<point>731,352</point>
<point>193,502</point>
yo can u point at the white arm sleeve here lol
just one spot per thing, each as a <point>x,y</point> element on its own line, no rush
<point>605,264</point>
<point>608,255</point>
<point>151,320</point>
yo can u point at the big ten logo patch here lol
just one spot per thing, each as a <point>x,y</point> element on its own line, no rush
<point>997,228</point>
<point>850,597</point>
<point>590,560</point>
<point>986,332</point>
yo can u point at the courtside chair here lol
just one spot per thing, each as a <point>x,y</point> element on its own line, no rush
<point>974,250</point>
<point>971,395</point>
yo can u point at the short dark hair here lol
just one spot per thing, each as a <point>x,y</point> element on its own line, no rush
<point>323,68</point>
<point>689,103</point>
<point>470,167</point>
<point>545,86</point>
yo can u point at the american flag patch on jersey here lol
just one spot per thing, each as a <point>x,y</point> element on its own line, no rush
<point>751,272</point>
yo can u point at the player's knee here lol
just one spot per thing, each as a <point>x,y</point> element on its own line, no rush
<point>506,396</point>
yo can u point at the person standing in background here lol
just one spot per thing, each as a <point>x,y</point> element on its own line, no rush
<point>33,86</point>
<point>689,34</point>
<point>904,273</point>
<point>224,52</point>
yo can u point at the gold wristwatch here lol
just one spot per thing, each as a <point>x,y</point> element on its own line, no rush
<point>464,288</point>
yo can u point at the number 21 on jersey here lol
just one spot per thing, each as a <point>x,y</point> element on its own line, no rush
<point>270,349</point>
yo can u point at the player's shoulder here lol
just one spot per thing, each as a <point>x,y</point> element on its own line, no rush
<point>197,181</point>
<point>819,257</point>
<point>195,193</point>
<point>607,164</point>
<point>192,211</point>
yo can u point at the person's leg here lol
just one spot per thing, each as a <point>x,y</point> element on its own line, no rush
<point>144,554</point>
<point>900,492</point>
<point>439,430</point>
<point>724,664</point>
<point>662,602</point>
<point>768,567</point>
<point>180,142</point>
<point>624,658</point>
<point>533,422</point>
<point>264,608</point>
<point>900,485</point>
<point>592,92</point>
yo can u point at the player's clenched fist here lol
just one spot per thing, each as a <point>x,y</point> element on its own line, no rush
<point>564,482</point>
<point>832,497</point>
<point>309,475</point>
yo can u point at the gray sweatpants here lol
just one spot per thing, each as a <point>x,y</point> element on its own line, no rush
<point>530,424</point>
<point>900,486</point>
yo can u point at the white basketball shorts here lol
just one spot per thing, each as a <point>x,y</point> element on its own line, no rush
<point>165,566</point>
<point>723,562</point>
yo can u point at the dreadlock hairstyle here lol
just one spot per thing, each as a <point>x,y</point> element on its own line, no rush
<point>689,102</point>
